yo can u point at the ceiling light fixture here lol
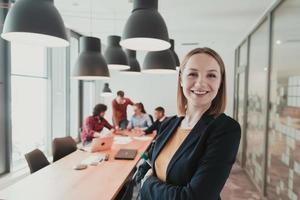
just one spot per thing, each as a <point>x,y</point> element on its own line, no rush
<point>35,22</point>
<point>90,64</point>
<point>133,63</point>
<point>159,62</point>
<point>106,92</point>
<point>145,29</point>
<point>114,54</point>
<point>174,53</point>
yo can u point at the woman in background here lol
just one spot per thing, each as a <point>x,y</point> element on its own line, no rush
<point>140,119</point>
<point>94,124</point>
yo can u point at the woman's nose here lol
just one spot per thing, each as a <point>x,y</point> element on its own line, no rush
<point>200,80</point>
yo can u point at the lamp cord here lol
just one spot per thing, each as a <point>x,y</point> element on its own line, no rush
<point>91,12</point>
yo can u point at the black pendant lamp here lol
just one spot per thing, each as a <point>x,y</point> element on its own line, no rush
<point>114,54</point>
<point>133,63</point>
<point>90,64</point>
<point>174,53</point>
<point>159,62</point>
<point>106,91</point>
<point>145,29</point>
<point>35,22</point>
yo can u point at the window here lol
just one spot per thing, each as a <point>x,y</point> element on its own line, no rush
<point>74,90</point>
<point>29,83</point>
<point>58,65</point>
<point>89,98</point>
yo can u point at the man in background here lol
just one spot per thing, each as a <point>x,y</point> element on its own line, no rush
<point>159,114</point>
<point>119,109</point>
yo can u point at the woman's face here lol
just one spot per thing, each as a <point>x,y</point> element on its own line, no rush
<point>102,114</point>
<point>200,80</point>
<point>137,110</point>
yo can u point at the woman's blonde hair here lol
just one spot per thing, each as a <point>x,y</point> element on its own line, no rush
<point>219,102</point>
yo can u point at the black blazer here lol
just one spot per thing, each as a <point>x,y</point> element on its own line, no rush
<point>155,126</point>
<point>200,167</point>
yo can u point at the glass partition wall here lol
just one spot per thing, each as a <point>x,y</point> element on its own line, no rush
<point>269,87</point>
<point>283,175</point>
<point>256,110</point>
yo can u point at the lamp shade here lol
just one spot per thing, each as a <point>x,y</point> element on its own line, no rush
<point>35,22</point>
<point>133,63</point>
<point>145,29</point>
<point>90,64</point>
<point>174,53</point>
<point>106,90</point>
<point>114,54</point>
<point>159,62</point>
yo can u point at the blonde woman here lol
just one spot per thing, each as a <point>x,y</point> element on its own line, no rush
<point>195,151</point>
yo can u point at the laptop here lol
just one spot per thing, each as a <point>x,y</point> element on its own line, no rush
<point>126,154</point>
<point>102,143</point>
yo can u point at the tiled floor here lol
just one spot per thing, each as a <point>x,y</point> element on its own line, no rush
<point>239,187</point>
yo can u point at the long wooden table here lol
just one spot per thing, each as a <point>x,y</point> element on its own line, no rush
<point>59,181</point>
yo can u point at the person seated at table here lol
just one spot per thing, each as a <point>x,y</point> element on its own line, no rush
<point>94,124</point>
<point>159,114</point>
<point>140,119</point>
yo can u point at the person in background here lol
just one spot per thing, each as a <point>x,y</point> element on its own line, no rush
<point>140,119</point>
<point>159,114</point>
<point>119,109</point>
<point>194,157</point>
<point>94,124</point>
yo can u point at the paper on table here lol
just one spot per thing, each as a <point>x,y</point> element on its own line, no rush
<point>86,148</point>
<point>93,158</point>
<point>142,138</point>
<point>122,140</point>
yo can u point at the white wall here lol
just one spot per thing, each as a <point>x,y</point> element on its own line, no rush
<point>228,59</point>
<point>157,89</point>
<point>152,90</point>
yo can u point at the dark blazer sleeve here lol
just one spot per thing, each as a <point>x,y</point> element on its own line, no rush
<point>153,127</point>
<point>211,172</point>
<point>143,168</point>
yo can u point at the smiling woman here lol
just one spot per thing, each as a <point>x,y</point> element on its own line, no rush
<point>203,70</point>
<point>194,153</point>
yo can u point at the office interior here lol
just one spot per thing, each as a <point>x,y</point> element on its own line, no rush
<point>258,40</point>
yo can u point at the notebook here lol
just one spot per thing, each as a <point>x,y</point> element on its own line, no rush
<point>126,154</point>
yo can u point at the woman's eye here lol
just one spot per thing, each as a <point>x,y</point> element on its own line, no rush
<point>192,74</point>
<point>212,76</point>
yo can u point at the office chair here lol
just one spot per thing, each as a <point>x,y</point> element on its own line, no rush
<point>62,147</point>
<point>36,160</point>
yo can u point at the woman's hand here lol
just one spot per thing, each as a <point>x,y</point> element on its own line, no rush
<point>97,134</point>
<point>147,175</point>
<point>138,132</point>
<point>112,132</point>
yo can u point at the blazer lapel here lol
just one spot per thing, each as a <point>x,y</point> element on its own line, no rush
<point>164,137</point>
<point>194,136</point>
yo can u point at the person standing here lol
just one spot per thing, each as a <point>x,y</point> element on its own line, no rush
<point>194,151</point>
<point>119,109</point>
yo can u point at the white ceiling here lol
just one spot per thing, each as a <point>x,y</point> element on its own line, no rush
<point>220,24</point>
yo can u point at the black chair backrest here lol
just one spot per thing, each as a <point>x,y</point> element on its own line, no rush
<point>151,118</point>
<point>36,160</point>
<point>62,147</point>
